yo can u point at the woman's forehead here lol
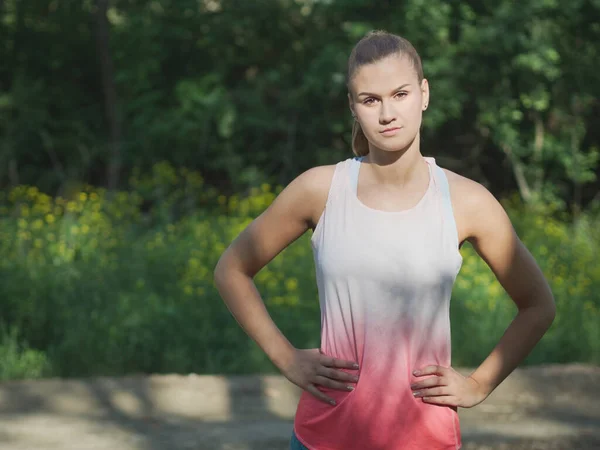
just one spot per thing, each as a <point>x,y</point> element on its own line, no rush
<point>384,75</point>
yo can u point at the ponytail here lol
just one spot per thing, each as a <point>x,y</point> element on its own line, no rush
<point>360,144</point>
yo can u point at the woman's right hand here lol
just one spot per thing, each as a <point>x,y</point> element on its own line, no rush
<point>309,367</point>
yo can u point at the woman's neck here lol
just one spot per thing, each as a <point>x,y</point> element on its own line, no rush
<point>396,167</point>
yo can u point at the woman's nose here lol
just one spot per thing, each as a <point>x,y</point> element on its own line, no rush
<point>387,112</point>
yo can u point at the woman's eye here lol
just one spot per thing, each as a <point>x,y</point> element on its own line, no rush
<point>401,94</point>
<point>369,101</point>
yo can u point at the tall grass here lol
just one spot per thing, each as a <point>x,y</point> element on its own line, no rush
<point>112,284</point>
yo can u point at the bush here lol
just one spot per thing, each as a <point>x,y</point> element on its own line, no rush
<point>565,252</point>
<point>18,361</point>
<point>122,283</point>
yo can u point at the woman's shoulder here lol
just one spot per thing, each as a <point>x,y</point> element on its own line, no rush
<point>474,206</point>
<point>318,179</point>
<point>315,185</point>
<point>318,174</point>
<point>466,192</point>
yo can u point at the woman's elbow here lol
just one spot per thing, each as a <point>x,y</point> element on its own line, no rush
<point>221,269</point>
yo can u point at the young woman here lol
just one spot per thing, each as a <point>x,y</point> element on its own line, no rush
<point>387,228</point>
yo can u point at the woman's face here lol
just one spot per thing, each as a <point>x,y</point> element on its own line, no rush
<point>388,101</point>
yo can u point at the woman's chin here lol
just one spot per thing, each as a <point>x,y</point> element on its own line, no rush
<point>392,147</point>
<point>393,144</point>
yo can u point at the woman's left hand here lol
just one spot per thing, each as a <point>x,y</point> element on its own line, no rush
<point>447,387</point>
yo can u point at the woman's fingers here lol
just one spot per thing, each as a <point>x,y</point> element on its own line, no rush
<point>328,382</point>
<point>428,382</point>
<point>336,374</point>
<point>328,361</point>
<point>327,373</point>
<point>317,393</point>
<point>432,370</point>
<point>431,392</point>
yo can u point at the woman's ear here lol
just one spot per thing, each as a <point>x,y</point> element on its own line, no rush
<point>425,93</point>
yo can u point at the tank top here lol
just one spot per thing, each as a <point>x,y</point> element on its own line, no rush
<point>384,281</point>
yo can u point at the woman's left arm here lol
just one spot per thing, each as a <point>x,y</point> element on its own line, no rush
<point>483,222</point>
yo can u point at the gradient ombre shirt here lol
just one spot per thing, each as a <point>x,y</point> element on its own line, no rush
<point>384,280</point>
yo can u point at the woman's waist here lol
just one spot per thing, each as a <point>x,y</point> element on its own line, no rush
<point>384,355</point>
<point>388,402</point>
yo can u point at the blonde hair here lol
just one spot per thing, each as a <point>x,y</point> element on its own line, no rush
<point>373,47</point>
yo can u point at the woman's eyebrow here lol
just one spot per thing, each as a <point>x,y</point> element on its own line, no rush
<point>375,95</point>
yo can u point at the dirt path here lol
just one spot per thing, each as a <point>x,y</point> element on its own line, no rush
<point>551,407</point>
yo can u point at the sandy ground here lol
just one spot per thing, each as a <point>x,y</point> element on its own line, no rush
<point>546,407</point>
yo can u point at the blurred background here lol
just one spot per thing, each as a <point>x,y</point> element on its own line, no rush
<point>138,138</point>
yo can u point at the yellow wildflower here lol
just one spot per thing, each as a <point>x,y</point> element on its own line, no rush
<point>291,284</point>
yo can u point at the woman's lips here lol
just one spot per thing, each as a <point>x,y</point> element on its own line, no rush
<point>391,131</point>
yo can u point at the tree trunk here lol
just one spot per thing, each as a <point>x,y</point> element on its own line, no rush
<point>290,150</point>
<point>13,172</point>
<point>519,172</point>
<point>576,208</point>
<point>110,94</point>
<point>538,147</point>
<point>12,166</point>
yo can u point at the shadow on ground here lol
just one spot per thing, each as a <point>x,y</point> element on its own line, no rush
<point>550,407</point>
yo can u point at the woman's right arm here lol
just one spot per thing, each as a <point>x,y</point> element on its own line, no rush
<point>296,209</point>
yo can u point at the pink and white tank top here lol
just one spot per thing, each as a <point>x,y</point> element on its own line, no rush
<point>384,281</point>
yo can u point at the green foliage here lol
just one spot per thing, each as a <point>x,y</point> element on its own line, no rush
<point>236,97</point>
<point>94,285</point>
<point>536,108</point>
<point>18,361</point>
<point>254,92</point>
